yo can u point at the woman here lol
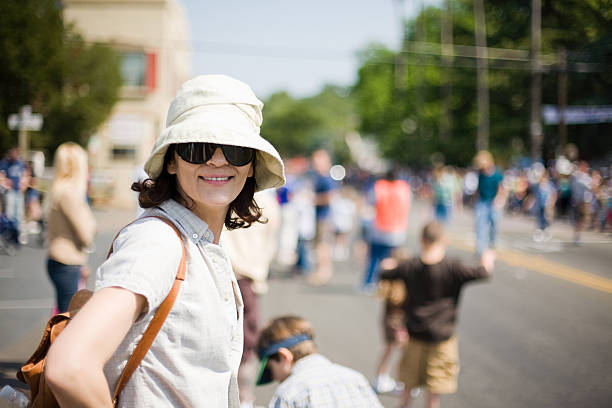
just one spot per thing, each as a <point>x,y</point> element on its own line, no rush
<point>71,225</point>
<point>204,170</point>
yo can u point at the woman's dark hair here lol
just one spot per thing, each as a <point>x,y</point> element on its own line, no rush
<point>243,211</point>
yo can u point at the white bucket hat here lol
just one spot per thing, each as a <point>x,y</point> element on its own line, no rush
<point>218,109</point>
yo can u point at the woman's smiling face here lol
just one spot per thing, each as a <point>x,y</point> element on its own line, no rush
<point>211,186</point>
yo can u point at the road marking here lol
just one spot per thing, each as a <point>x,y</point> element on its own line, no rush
<point>18,304</point>
<point>531,246</point>
<point>587,241</point>
<point>545,266</point>
<point>555,269</point>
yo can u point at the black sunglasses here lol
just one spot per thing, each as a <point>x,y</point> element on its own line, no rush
<point>200,153</point>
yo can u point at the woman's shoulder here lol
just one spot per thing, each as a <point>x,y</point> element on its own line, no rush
<point>67,197</point>
<point>150,231</point>
<point>144,260</point>
<point>147,242</point>
<point>150,224</point>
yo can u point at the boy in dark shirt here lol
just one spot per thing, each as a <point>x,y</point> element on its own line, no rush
<point>433,285</point>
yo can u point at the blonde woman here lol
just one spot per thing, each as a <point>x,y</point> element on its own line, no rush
<point>71,224</point>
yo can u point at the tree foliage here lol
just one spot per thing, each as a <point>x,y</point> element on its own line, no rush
<point>399,96</point>
<point>300,126</point>
<point>89,90</point>
<point>50,67</point>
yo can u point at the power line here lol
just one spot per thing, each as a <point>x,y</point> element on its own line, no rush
<point>499,58</point>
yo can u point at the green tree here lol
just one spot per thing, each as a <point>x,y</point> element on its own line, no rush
<point>290,124</point>
<point>49,66</point>
<point>299,126</point>
<point>398,95</point>
<point>90,83</point>
<point>584,28</point>
<point>335,108</point>
<point>31,39</point>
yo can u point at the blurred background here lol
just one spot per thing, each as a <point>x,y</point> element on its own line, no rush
<point>416,82</point>
<point>418,86</point>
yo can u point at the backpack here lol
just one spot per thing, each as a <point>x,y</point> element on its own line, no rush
<point>32,373</point>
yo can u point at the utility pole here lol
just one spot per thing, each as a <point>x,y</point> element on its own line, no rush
<point>562,99</point>
<point>446,119</point>
<point>536,80</point>
<point>419,77</point>
<point>482,76</point>
<point>399,60</point>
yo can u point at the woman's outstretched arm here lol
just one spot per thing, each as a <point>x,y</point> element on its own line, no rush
<point>75,362</point>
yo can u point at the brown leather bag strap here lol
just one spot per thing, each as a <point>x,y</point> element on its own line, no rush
<point>156,323</point>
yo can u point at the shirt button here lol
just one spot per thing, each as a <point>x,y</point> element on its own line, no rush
<point>195,236</point>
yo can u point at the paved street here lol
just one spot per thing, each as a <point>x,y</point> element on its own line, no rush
<point>538,334</point>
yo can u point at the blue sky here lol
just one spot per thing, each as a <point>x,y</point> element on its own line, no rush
<point>290,45</point>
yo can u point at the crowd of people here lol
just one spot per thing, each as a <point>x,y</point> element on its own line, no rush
<point>240,210</point>
<point>568,191</point>
<point>564,192</point>
<point>20,200</point>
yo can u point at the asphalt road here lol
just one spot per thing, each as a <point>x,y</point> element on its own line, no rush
<point>538,334</point>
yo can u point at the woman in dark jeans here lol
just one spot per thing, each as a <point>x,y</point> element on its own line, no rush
<point>71,224</point>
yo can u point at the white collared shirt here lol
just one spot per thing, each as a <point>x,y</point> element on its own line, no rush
<point>316,382</point>
<point>194,359</point>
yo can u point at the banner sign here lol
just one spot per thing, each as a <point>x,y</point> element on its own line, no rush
<point>575,115</point>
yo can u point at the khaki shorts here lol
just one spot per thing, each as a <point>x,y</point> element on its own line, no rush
<point>432,365</point>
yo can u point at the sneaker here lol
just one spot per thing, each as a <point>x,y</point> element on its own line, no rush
<point>23,238</point>
<point>33,227</point>
<point>385,384</point>
<point>538,235</point>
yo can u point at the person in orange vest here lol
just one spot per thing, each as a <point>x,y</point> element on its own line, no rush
<point>391,198</point>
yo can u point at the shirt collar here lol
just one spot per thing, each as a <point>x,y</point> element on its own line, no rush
<point>309,361</point>
<point>194,227</point>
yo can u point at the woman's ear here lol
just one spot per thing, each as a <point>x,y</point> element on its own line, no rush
<point>251,171</point>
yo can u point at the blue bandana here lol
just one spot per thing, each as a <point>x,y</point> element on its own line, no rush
<point>265,376</point>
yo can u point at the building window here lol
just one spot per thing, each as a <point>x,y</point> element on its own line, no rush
<point>138,71</point>
<point>124,153</point>
<point>133,69</point>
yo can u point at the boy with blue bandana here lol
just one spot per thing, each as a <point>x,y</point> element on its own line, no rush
<point>289,355</point>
